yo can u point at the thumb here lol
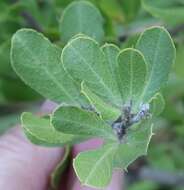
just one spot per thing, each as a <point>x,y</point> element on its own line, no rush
<point>24,165</point>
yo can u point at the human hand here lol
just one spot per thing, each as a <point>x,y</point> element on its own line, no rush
<point>27,166</point>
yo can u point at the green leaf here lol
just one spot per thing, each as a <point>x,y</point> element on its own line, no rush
<point>94,167</point>
<point>159,52</point>
<point>111,52</point>
<point>112,9</point>
<point>171,11</point>
<point>157,104</point>
<point>106,111</point>
<point>85,61</point>
<point>38,64</point>
<point>130,9</point>
<point>60,169</point>
<point>14,90</point>
<point>134,145</point>
<point>9,12</point>
<point>130,41</point>
<point>2,97</point>
<point>40,131</point>
<point>81,17</point>
<point>74,120</point>
<point>179,66</point>
<point>132,75</point>
<point>5,67</point>
<point>43,13</point>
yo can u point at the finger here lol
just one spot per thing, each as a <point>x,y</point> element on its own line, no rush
<point>48,106</point>
<point>27,166</point>
<point>24,165</point>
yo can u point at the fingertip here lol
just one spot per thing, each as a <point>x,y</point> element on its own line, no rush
<point>48,106</point>
<point>27,166</point>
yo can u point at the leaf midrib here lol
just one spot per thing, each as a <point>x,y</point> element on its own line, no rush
<point>131,75</point>
<point>101,128</point>
<point>53,78</point>
<point>93,71</point>
<point>153,66</point>
<point>97,164</point>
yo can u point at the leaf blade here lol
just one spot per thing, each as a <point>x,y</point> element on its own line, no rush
<point>74,120</point>
<point>85,17</point>
<point>39,131</point>
<point>159,52</point>
<point>94,168</point>
<point>85,61</point>
<point>60,168</point>
<point>111,52</point>
<point>136,144</point>
<point>157,104</point>
<point>132,75</point>
<point>106,111</point>
<point>37,62</point>
<point>171,11</point>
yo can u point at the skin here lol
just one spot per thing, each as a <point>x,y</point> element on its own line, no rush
<point>27,166</point>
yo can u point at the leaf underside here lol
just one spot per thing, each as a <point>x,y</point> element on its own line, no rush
<point>94,168</point>
<point>94,83</point>
<point>37,61</point>
<point>83,58</point>
<point>132,75</point>
<point>41,132</point>
<point>74,120</point>
<point>159,52</point>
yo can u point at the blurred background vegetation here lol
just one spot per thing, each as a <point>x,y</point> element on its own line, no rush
<point>163,168</point>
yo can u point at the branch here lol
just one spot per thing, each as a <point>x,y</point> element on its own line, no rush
<point>11,108</point>
<point>173,31</point>
<point>162,177</point>
<point>29,18</point>
<point>31,21</point>
<point>176,30</point>
<point>131,32</point>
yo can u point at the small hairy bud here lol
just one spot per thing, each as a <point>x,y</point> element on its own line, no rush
<point>142,114</point>
<point>128,118</point>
